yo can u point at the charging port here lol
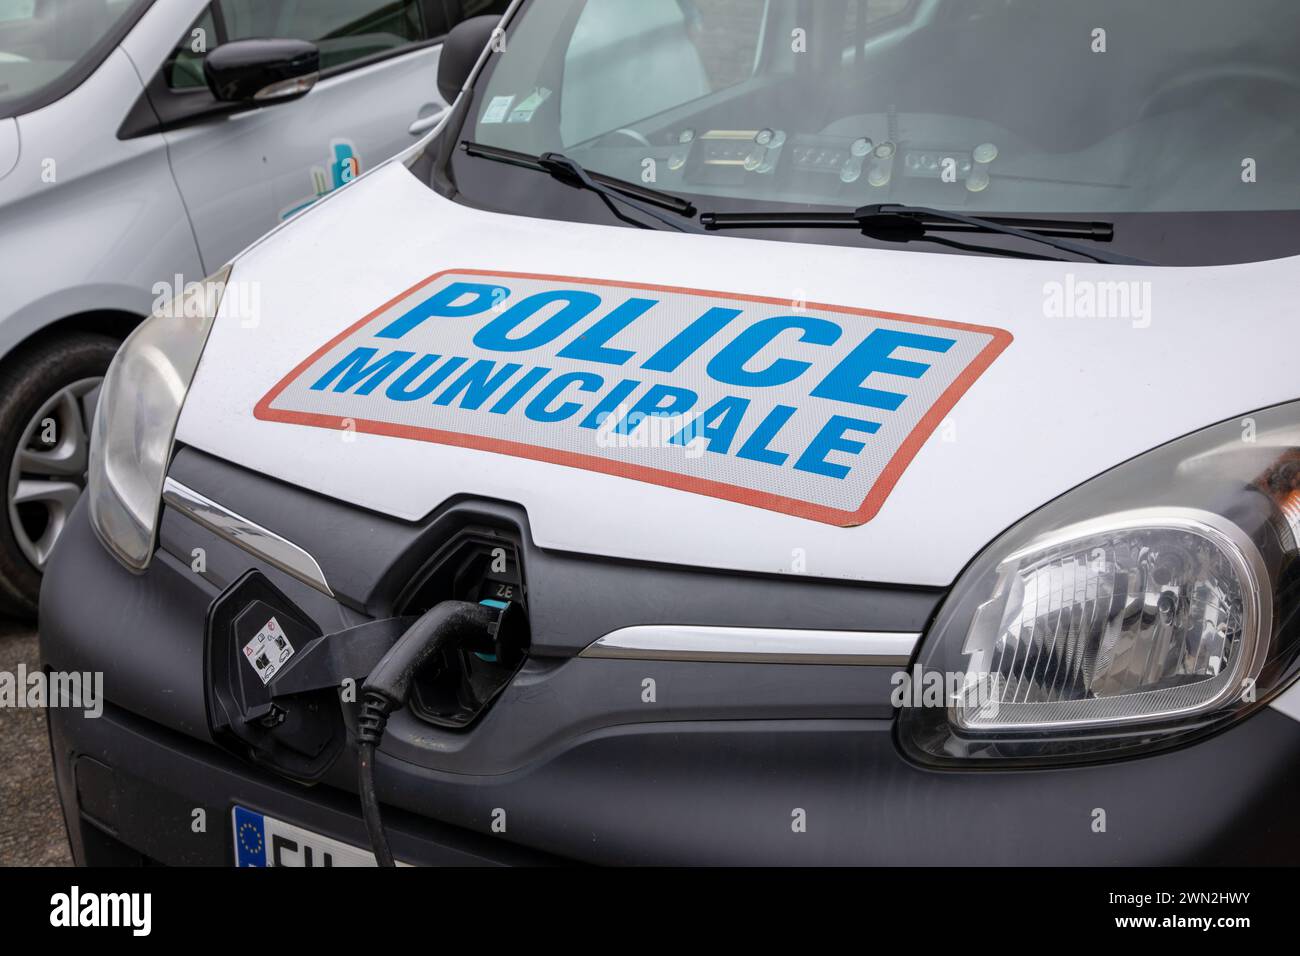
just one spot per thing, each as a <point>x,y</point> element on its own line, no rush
<point>480,565</point>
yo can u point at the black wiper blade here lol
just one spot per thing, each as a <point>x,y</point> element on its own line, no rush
<point>1044,231</point>
<point>569,171</point>
<point>897,221</point>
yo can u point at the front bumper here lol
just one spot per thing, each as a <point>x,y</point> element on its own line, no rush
<point>733,763</point>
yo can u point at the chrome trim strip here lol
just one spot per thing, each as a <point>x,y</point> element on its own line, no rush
<point>245,534</point>
<point>757,645</point>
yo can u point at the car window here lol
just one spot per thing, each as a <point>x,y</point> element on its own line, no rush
<point>184,68</point>
<point>44,41</point>
<point>1189,146</point>
<point>638,60</point>
<point>442,15</point>
<point>876,10</point>
<point>11,10</point>
<point>345,30</point>
<point>642,59</point>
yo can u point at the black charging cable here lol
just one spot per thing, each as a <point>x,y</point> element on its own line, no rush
<point>389,685</point>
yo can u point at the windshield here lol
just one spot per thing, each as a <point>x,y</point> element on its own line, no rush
<point>44,43</point>
<point>1174,119</point>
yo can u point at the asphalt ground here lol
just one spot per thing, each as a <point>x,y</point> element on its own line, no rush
<point>31,823</point>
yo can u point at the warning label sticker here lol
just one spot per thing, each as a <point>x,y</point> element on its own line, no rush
<point>268,651</point>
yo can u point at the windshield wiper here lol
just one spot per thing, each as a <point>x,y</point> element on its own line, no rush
<point>611,190</point>
<point>898,222</point>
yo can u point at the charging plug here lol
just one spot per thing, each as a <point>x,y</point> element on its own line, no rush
<point>387,687</point>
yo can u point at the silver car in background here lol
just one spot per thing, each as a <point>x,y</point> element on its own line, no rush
<point>133,162</point>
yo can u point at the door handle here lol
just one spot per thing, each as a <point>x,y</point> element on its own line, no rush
<point>426,123</point>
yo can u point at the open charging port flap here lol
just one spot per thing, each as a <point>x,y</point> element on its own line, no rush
<point>275,683</point>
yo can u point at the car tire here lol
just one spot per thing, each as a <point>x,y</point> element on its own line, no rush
<point>47,395</point>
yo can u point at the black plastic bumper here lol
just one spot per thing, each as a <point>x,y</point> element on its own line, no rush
<point>583,772</point>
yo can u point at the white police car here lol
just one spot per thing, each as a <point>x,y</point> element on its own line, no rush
<point>745,431</point>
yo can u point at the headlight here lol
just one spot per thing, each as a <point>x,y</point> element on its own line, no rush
<point>135,421</point>
<point>1151,604</point>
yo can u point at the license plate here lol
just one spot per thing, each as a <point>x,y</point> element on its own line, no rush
<point>265,841</point>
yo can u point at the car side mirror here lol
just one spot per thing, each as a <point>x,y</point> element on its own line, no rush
<point>262,71</point>
<point>460,51</point>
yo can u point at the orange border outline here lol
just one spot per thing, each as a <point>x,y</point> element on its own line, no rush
<point>798,508</point>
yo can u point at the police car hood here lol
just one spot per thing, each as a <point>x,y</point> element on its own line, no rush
<point>761,406</point>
